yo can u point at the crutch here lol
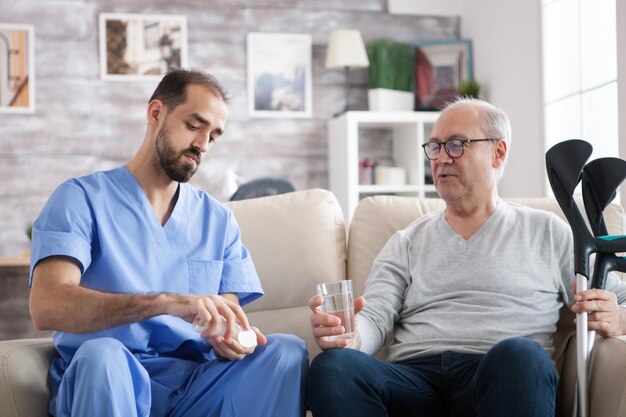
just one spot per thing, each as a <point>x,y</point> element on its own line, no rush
<point>600,181</point>
<point>565,162</point>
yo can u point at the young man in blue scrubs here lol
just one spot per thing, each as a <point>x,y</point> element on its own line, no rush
<point>122,263</point>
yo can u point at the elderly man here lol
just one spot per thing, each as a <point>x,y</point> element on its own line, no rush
<point>471,292</point>
<point>123,261</point>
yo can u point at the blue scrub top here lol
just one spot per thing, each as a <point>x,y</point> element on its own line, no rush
<point>105,222</point>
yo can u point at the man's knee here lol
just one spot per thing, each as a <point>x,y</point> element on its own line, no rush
<point>336,359</point>
<point>516,377</point>
<point>100,350</point>
<point>345,382</point>
<point>286,351</point>
<point>101,369</point>
<point>103,357</point>
<point>519,349</point>
<point>521,357</point>
<point>336,366</point>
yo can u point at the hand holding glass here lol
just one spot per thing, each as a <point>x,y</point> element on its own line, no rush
<point>339,302</point>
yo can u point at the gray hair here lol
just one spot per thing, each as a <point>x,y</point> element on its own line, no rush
<point>495,122</point>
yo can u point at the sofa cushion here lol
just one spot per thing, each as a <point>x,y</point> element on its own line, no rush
<point>375,219</point>
<point>296,240</point>
<point>24,377</point>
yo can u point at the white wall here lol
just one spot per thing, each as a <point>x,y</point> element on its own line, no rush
<point>507,62</point>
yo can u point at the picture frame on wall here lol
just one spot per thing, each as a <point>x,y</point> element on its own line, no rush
<point>279,75</point>
<point>440,67</point>
<point>17,72</point>
<point>141,46</point>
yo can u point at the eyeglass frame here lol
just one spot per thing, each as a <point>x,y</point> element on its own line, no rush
<point>445,146</point>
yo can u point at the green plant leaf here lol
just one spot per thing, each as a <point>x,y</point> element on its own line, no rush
<point>469,88</point>
<point>29,231</point>
<point>391,65</point>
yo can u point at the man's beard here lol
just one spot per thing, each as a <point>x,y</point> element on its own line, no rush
<point>174,164</point>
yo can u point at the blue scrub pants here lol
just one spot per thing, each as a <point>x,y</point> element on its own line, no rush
<point>515,378</point>
<point>106,379</point>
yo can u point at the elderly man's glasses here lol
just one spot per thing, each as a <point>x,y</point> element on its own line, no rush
<point>454,147</point>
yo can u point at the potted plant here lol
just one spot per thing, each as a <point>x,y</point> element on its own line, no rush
<point>390,75</point>
<point>469,88</point>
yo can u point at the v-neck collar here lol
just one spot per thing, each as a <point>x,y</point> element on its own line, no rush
<point>171,227</point>
<point>484,228</point>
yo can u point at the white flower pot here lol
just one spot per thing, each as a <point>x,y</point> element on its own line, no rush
<point>382,99</point>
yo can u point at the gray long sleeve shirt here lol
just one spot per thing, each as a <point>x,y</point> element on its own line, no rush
<point>439,292</point>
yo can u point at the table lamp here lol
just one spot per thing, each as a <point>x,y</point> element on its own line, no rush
<point>346,50</point>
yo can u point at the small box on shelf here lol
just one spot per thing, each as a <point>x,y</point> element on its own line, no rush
<point>390,176</point>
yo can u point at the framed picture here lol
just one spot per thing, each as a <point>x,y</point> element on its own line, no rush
<point>17,69</point>
<point>440,66</point>
<point>279,75</point>
<point>136,46</point>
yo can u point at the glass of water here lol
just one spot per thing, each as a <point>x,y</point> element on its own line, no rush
<point>339,301</point>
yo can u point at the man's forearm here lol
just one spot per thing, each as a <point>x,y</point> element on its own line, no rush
<point>78,309</point>
<point>59,302</point>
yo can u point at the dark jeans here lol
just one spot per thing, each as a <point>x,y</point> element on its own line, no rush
<point>515,378</point>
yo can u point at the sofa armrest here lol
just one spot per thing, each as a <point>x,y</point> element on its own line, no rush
<point>607,380</point>
<point>24,368</point>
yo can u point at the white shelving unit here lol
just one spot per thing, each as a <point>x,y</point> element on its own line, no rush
<point>408,129</point>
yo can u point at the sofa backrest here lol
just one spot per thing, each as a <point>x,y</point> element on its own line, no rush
<point>296,240</point>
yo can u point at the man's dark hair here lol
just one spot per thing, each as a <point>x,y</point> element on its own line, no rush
<point>172,90</point>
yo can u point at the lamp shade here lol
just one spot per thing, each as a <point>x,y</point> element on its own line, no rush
<point>346,49</point>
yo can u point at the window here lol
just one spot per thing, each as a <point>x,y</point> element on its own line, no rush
<point>580,73</point>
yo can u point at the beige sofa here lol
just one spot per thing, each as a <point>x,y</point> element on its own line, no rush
<point>299,239</point>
